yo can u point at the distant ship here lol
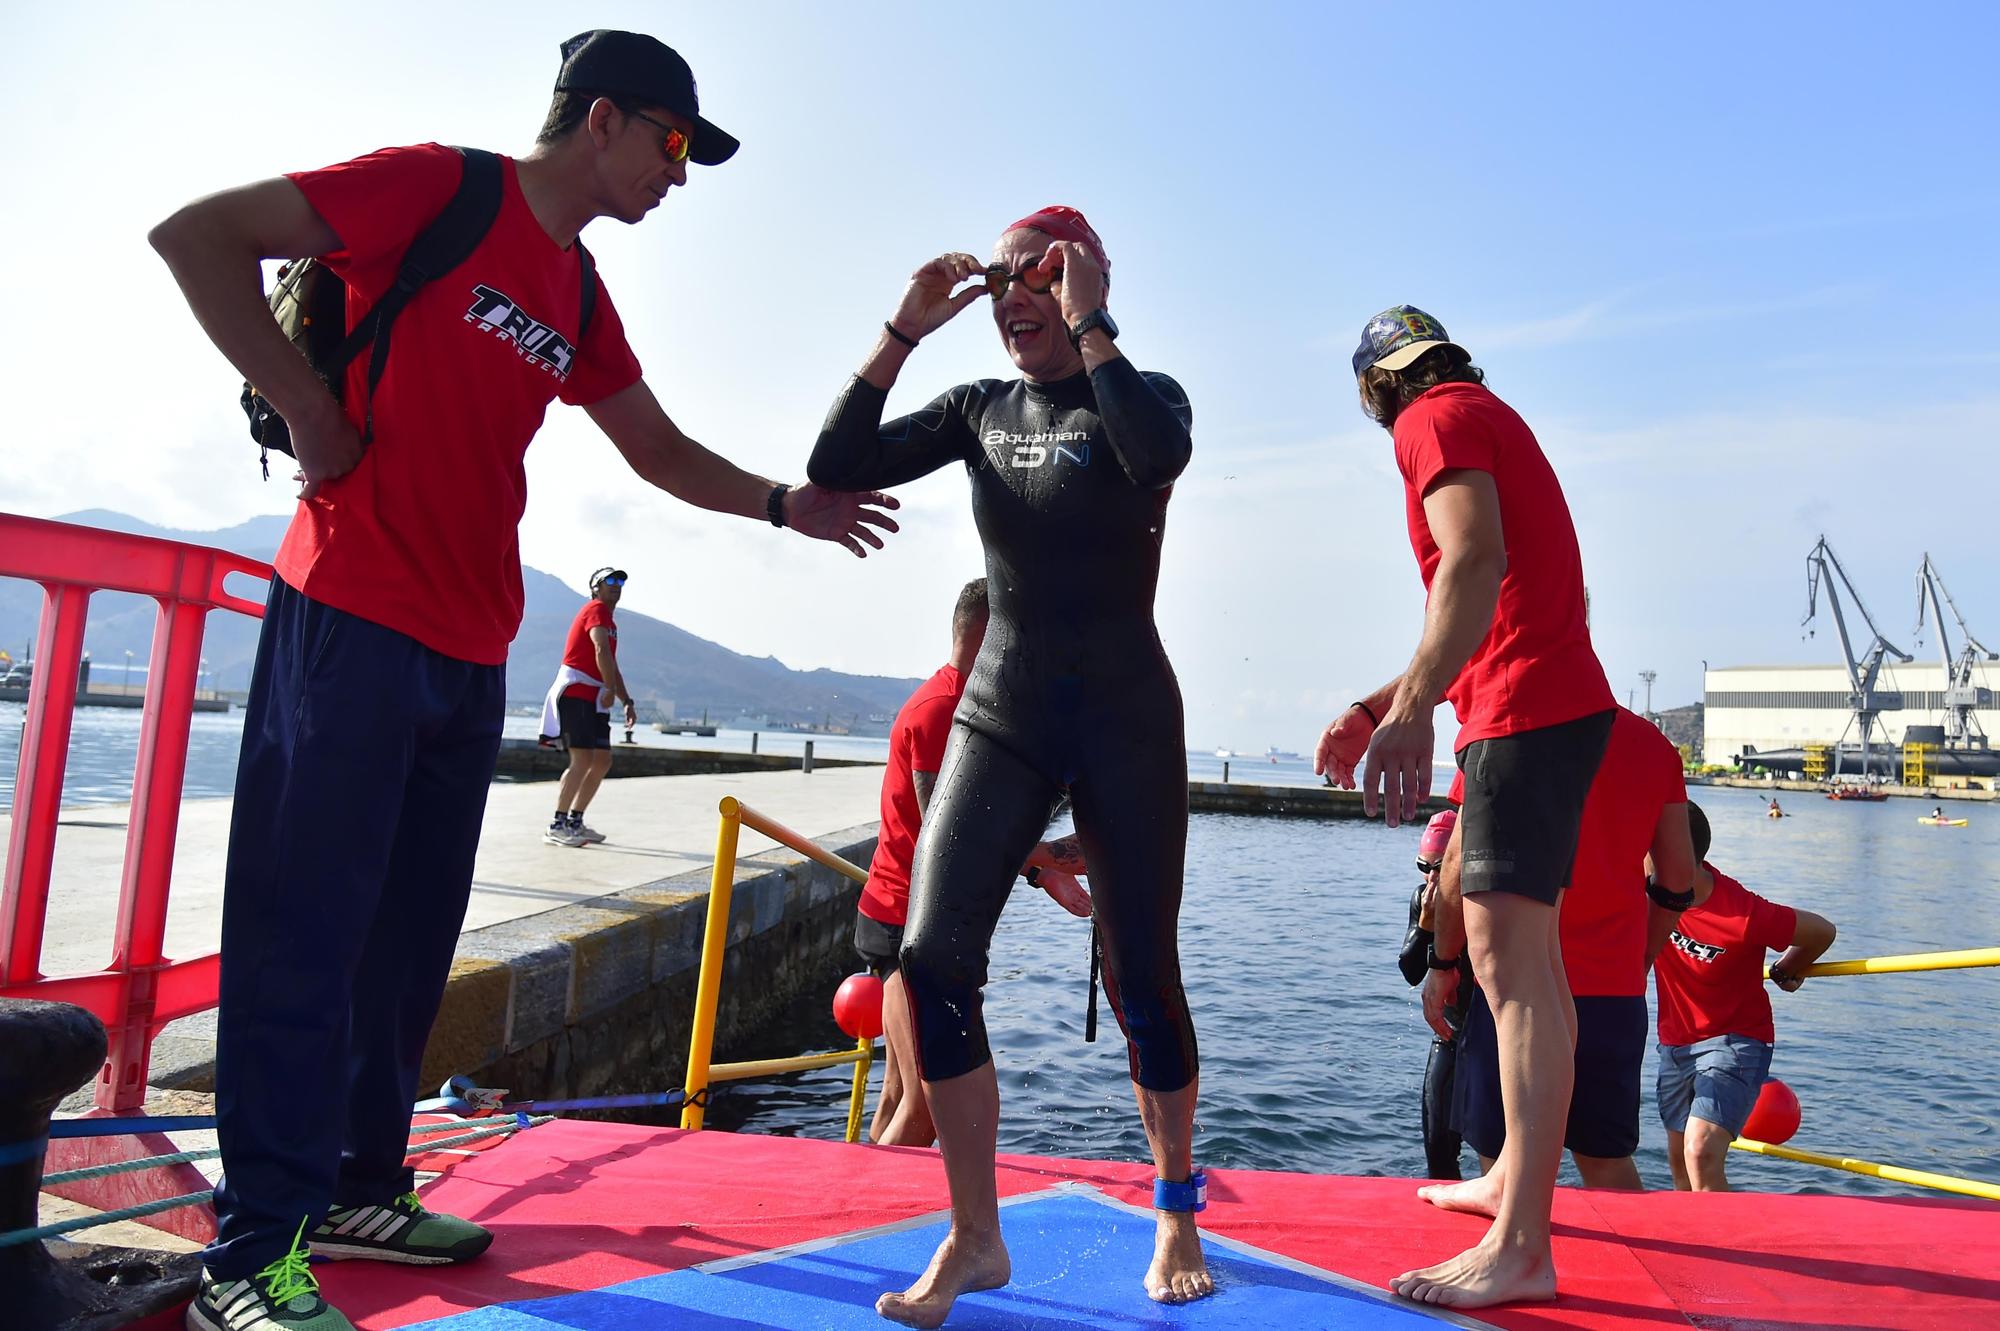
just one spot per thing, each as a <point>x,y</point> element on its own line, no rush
<point>1278,755</point>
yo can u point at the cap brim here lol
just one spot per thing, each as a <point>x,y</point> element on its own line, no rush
<point>711,147</point>
<point>1403,357</point>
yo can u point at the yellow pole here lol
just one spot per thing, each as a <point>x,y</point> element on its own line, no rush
<point>1892,1173</point>
<point>714,942</point>
<point>1913,961</point>
<point>778,1067</point>
<point>864,1050</point>
<point>785,836</point>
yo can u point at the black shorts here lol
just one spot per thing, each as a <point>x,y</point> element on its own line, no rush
<point>1524,797</point>
<point>1603,1107</point>
<point>878,943</point>
<point>583,726</point>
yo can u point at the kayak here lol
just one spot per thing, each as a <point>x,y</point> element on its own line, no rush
<point>1943,822</point>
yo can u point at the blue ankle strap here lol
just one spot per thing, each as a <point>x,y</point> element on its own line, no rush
<point>1189,1196</point>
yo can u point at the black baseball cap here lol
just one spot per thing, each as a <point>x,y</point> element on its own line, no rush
<point>645,69</point>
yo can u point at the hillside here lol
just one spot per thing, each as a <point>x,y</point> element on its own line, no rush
<point>663,663</point>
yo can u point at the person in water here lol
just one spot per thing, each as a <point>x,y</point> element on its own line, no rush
<point>1071,467</point>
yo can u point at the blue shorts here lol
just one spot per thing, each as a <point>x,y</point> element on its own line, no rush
<point>1715,1080</point>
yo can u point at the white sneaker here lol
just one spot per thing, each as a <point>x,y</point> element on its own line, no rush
<point>590,834</point>
<point>562,836</point>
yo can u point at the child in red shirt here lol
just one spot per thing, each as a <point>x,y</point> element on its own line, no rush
<point>1716,1033</point>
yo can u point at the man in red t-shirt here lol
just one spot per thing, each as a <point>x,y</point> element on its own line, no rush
<point>1505,640</point>
<point>916,755</point>
<point>1716,1033</point>
<point>1635,817</point>
<point>376,704</point>
<point>587,683</point>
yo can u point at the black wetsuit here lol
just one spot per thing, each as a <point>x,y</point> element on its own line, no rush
<point>1071,691</point>
<point>1441,1139</point>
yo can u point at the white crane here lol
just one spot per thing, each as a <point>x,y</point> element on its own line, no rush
<point>1961,695</point>
<point>1822,566</point>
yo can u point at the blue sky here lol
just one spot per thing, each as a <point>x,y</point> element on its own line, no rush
<point>1734,264</point>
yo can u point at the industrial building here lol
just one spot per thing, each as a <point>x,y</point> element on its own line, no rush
<point>1780,711</point>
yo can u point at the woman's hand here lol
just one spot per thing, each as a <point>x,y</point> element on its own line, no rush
<point>1082,280</point>
<point>928,303</point>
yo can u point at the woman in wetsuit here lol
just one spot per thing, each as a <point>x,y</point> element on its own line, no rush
<point>1071,466</point>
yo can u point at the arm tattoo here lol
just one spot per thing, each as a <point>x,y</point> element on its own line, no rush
<point>1067,854</point>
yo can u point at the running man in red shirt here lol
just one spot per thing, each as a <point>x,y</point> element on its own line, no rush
<point>1505,640</point>
<point>1636,816</point>
<point>579,708</point>
<point>917,744</point>
<point>380,685</point>
<point>1716,1033</point>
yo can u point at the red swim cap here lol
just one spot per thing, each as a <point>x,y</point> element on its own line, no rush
<point>1066,224</point>
<point>1437,833</point>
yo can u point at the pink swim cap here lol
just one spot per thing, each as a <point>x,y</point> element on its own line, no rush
<point>1436,833</point>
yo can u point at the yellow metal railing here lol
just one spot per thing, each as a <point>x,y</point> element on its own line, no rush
<point>1919,764</point>
<point>1819,762</point>
<point>701,1074</point>
<point>1964,959</point>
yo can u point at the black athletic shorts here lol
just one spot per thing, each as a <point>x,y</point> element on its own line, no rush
<point>1604,1106</point>
<point>583,726</point>
<point>878,943</point>
<point>1524,797</point>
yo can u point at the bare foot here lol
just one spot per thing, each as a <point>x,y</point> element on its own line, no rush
<point>1480,1196</point>
<point>1179,1273</point>
<point>1482,1276</point>
<point>961,1265</point>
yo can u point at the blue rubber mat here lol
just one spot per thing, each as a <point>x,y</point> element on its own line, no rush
<point>1078,1259</point>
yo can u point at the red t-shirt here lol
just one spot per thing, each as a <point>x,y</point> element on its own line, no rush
<point>422,536</point>
<point>916,744</point>
<point>1605,911</point>
<point>580,653</point>
<point>1535,667</point>
<point>1711,973</point>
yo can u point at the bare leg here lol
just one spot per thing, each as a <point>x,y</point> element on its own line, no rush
<point>1179,1272</point>
<point>1604,1171</point>
<point>892,1072</point>
<point>1510,938</point>
<point>1677,1159</point>
<point>592,778</point>
<point>1707,1155</point>
<point>972,1256</point>
<point>572,778</point>
<point>909,1116</point>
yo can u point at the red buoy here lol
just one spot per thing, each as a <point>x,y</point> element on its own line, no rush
<point>857,1006</point>
<point>1775,1116</point>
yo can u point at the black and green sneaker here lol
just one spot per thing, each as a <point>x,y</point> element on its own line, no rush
<point>400,1231</point>
<point>281,1297</point>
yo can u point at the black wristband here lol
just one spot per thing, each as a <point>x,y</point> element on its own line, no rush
<point>1033,873</point>
<point>1665,900</point>
<point>1436,962</point>
<point>899,335</point>
<point>774,507</point>
<point>1373,719</point>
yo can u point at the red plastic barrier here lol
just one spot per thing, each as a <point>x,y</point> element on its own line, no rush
<point>140,991</point>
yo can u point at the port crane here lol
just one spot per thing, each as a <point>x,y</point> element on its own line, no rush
<point>1822,568</point>
<point>1961,695</point>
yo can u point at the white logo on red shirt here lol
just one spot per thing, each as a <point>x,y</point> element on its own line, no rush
<point>1705,952</point>
<point>540,345</point>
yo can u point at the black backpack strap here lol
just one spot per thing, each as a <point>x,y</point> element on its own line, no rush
<point>446,243</point>
<point>589,301</point>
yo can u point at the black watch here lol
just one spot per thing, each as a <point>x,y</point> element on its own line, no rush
<point>1098,318</point>
<point>774,507</point>
<point>1436,962</point>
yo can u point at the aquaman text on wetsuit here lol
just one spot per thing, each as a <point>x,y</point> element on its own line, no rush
<point>1071,690</point>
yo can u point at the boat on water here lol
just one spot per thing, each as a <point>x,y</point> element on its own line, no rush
<point>1929,821</point>
<point>1857,795</point>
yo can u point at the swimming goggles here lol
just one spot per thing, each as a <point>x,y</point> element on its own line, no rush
<point>998,279</point>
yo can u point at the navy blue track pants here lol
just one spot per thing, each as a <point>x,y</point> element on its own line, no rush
<point>359,797</point>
